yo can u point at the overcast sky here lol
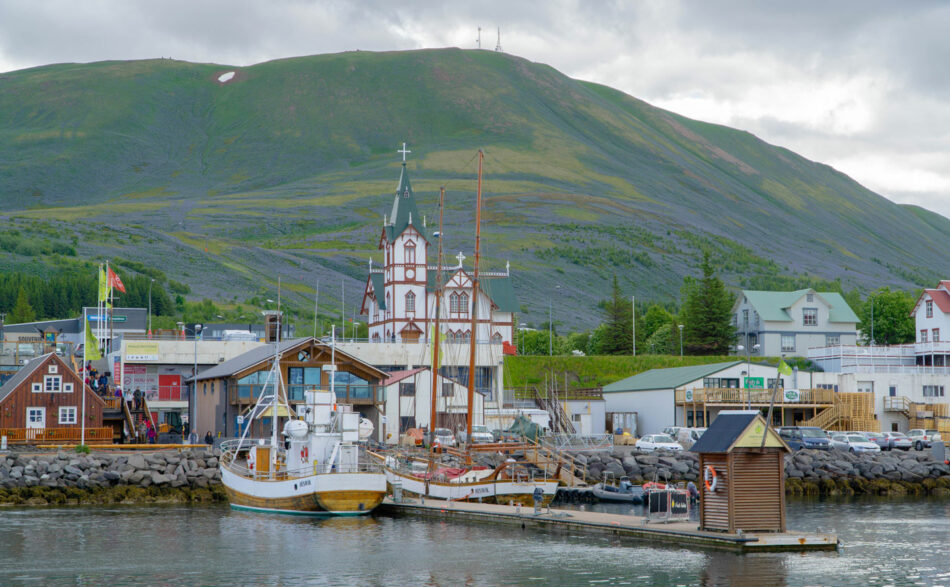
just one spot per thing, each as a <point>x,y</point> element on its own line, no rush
<point>863,86</point>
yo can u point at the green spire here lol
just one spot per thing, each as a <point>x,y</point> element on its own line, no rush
<point>404,210</point>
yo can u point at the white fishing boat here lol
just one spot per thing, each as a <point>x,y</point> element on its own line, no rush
<point>317,465</point>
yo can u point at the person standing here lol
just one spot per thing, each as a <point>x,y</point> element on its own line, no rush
<point>138,398</point>
<point>209,440</point>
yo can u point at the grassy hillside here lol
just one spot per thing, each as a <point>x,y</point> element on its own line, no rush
<point>287,170</point>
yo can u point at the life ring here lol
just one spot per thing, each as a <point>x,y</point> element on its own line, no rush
<point>710,479</point>
<point>304,454</point>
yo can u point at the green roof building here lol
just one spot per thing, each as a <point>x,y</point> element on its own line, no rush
<point>774,323</point>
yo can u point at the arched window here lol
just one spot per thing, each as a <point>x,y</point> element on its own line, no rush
<point>466,336</point>
<point>410,302</point>
<point>388,304</point>
<point>496,338</point>
<point>375,337</point>
<point>454,302</point>
<point>463,303</point>
<point>410,253</point>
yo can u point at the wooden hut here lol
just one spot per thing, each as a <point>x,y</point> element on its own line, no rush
<point>742,482</point>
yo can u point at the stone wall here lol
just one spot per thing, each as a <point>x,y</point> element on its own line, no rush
<point>806,471</point>
<point>106,477</point>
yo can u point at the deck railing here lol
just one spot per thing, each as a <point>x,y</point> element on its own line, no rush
<point>56,435</point>
<point>756,396</point>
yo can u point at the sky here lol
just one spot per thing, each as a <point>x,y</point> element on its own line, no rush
<point>859,85</point>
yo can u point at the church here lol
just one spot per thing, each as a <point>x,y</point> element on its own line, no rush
<point>399,298</point>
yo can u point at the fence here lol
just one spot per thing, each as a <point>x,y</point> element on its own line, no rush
<point>56,435</point>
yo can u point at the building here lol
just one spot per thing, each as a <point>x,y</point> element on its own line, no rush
<point>43,401</point>
<point>230,390</point>
<point>408,403</point>
<point>773,323</point>
<point>399,298</point>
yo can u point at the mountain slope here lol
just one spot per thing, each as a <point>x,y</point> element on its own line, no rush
<point>288,168</point>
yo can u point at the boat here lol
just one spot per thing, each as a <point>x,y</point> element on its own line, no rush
<point>317,467</point>
<point>426,476</point>
<point>624,492</point>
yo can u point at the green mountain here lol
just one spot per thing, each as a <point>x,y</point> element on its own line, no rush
<point>287,169</point>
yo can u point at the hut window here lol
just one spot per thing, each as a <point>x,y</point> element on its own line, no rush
<point>52,384</point>
<point>67,388</point>
<point>67,415</point>
<point>53,369</point>
<point>37,388</point>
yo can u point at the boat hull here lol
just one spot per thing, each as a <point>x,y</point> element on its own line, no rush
<point>339,494</point>
<point>502,491</point>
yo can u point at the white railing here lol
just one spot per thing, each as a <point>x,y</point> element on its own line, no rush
<point>577,442</point>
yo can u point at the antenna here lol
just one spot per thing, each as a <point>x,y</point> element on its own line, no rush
<point>498,46</point>
<point>478,41</point>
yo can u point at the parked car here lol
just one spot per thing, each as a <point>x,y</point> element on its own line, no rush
<point>672,431</point>
<point>899,440</point>
<point>853,442</point>
<point>923,438</point>
<point>652,442</point>
<point>480,434</point>
<point>443,437</point>
<point>687,437</point>
<point>799,437</point>
<point>879,438</point>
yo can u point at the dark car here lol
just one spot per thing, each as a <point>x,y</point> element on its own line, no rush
<point>799,437</point>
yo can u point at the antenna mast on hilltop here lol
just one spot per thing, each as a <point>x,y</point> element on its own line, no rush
<point>498,45</point>
<point>478,41</point>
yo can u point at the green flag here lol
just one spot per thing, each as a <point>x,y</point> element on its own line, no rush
<point>783,368</point>
<point>92,345</point>
<point>103,285</point>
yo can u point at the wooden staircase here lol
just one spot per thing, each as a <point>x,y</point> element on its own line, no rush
<point>560,422</point>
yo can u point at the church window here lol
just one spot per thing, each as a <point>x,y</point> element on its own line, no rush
<point>463,303</point>
<point>496,338</point>
<point>466,336</point>
<point>411,253</point>
<point>454,303</point>
<point>388,303</point>
<point>410,302</point>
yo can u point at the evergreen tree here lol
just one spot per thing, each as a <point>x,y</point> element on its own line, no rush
<point>618,317</point>
<point>22,310</point>
<point>707,314</point>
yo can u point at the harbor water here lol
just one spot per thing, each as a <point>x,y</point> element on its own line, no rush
<point>885,543</point>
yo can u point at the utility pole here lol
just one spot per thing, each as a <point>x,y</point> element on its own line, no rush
<point>478,41</point>
<point>681,340</point>
<point>633,322</point>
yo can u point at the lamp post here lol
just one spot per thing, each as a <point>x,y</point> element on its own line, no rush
<point>193,403</point>
<point>681,340</point>
<point>150,306</point>
<point>748,371</point>
<point>551,324</point>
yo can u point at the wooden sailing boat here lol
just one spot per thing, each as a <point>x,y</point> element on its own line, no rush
<point>507,483</point>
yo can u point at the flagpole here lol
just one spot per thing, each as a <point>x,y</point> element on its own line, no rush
<point>82,377</point>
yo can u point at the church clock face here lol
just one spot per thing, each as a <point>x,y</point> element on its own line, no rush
<point>410,273</point>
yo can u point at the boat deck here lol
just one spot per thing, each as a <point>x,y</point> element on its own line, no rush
<point>627,526</point>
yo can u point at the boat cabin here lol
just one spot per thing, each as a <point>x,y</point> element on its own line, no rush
<point>742,478</point>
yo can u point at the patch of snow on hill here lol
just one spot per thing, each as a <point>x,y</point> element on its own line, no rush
<point>226,77</point>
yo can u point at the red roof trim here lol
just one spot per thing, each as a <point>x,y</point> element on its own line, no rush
<point>397,376</point>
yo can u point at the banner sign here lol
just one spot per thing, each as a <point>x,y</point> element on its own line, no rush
<point>141,351</point>
<point>792,395</point>
<point>755,383</point>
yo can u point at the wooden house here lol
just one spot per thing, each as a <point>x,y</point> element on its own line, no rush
<point>742,481</point>
<point>43,402</point>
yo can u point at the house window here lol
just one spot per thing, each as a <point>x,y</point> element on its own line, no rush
<point>936,334</point>
<point>407,389</point>
<point>832,339</point>
<point>810,298</point>
<point>67,415</point>
<point>52,383</point>
<point>788,343</point>
<point>67,388</point>
<point>933,391</point>
<point>771,383</point>
<point>410,302</point>
<point>711,382</point>
<point>37,388</point>
<point>930,308</point>
<point>745,317</point>
<point>923,335</point>
<point>447,390</point>
<point>411,253</point>
<point>810,316</point>
<point>36,415</point>
<point>53,369</point>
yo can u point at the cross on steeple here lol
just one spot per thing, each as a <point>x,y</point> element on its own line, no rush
<point>404,151</point>
<point>461,258</point>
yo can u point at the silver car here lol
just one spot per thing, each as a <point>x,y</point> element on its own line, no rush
<point>853,442</point>
<point>443,437</point>
<point>899,440</point>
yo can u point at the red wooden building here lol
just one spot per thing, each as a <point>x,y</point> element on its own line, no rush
<point>43,403</point>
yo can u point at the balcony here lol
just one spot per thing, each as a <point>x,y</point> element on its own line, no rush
<point>345,394</point>
<point>758,397</point>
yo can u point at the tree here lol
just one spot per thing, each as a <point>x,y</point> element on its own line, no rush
<point>22,310</point>
<point>618,317</point>
<point>893,323</point>
<point>662,342</point>
<point>707,314</point>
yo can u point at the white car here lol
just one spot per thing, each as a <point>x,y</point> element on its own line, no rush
<point>480,434</point>
<point>443,437</point>
<point>652,442</point>
<point>853,442</point>
<point>923,438</point>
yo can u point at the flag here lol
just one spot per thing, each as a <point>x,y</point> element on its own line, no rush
<point>783,368</point>
<point>92,345</point>
<point>103,285</point>
<point>115,282</point>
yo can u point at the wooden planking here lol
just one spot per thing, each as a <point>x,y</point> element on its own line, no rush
<point>714,506</point>
<point>758,491</point>
<point>297,503</point>
<point>350,501</point>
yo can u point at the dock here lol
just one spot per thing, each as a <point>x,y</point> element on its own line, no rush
<point>636,528</point>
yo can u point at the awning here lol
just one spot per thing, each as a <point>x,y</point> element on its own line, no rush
<point>282,412</point>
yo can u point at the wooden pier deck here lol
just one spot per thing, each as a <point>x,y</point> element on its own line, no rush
<point>683,534</point>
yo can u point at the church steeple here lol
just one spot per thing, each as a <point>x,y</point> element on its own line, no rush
<point>404,205</point>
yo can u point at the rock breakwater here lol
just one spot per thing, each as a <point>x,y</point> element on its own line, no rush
<point>189,475</point>
<point>807,472</point>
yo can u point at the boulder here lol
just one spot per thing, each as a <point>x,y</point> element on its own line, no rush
<point>136,461</point>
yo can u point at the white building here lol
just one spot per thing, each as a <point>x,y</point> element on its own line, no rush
<point>408,403</point>
<point>399,298</point>
<point>792,322</point>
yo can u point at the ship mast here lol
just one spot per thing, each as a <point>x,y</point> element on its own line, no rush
<point>438,305</point>
<point>471,355</point>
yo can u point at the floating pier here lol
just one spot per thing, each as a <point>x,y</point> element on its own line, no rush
<point>683,534</point>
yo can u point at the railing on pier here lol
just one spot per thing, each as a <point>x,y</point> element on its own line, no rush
<point>56,435</point>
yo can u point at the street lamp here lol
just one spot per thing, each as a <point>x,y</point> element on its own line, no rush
<point>681,340</point>
<point>551,324</point>
<point>193,399</point>
<point>150,306</point>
